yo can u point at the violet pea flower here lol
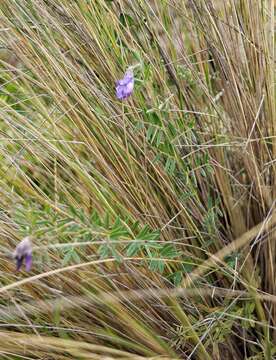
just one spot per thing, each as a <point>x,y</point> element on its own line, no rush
<point>23,251</point>
<point>125,86</point>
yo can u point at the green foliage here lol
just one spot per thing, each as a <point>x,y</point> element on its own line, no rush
<point>110,235</point>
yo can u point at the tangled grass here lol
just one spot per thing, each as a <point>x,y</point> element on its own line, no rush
<point>152,218</point>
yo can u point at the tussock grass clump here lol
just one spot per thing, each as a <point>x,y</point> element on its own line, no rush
<point>152,218</point>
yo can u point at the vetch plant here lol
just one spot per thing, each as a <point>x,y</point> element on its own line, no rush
<point>125,86</point>
<point>174,189</point>
<point>23,251</point>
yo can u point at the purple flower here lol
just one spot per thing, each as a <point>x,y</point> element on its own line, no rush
<point>124,87</point>
<point>23,251</point>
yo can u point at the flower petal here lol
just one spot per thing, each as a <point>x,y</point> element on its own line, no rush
<point>23,251</point>
<point>19,262</point>
<point>125,86</point>
<point>28,262</point>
